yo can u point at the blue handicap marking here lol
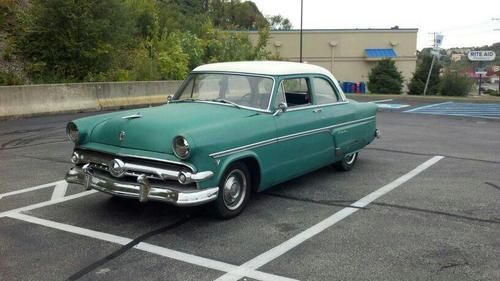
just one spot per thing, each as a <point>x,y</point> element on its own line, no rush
<point>392,105</point>
<point>481,110</point>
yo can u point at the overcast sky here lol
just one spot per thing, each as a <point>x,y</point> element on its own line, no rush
<point>463,23</point>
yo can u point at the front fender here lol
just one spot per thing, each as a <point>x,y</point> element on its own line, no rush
<point>225,162</point>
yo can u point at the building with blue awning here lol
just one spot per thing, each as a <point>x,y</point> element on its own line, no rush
<point>348,53</point>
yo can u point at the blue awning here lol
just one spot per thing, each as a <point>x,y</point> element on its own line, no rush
<point>380,53</point>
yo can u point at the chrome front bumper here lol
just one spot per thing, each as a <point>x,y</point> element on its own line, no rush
<point>142,189</point>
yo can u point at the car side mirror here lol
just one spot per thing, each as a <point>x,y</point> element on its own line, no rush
<point>282,107</point>
<point>169,98</point>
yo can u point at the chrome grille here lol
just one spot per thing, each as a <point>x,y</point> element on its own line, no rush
<point>165,172</point>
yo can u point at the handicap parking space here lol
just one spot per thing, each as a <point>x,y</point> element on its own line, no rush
<point>402,213</point>
<point>480,110</point>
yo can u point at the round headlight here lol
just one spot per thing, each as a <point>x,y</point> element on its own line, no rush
<point>72,132</point>
<point>181,147</point>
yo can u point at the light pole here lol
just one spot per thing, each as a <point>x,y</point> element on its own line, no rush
<point>301,16</point>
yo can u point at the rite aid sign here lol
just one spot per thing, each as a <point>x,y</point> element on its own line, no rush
<point>481,55</point>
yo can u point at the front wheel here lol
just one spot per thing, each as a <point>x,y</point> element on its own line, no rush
<point>347,162</point>
<point>234,191</point>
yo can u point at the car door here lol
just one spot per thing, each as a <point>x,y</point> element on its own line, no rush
<point>302,144</point>
<point>337,114</point>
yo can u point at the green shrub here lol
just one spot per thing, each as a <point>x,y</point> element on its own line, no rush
<point>492,92</point>
<point>453,84</point>
<point>8,78</point>
<point>384,78</point>
<point>417,82</point>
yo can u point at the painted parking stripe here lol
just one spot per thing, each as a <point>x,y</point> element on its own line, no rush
<point>463,115</point>
<point>377,101</point>
<point>150,248</point>
<point>47,203</point>
<point>29,189</point>
<point>300,238</point>
<point>428,106</point>
<point>392,105</point>
<point>59,190</point>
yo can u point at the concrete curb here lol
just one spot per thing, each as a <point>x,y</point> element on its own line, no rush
<point>35,100</point>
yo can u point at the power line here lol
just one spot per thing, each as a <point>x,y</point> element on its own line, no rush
<point>496,19</point>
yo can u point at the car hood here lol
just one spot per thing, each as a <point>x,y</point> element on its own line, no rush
<point>157,126</point>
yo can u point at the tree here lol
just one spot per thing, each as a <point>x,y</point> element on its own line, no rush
<point>67,40</point>
<point>454,84</point>
<point>235,14</point>
<point>384,78</point>
<point>279,23</point>
<point>417,83</point>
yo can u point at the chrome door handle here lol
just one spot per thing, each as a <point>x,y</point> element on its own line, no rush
<point>317,110</point>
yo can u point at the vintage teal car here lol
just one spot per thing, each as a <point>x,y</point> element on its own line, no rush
<point>231,128</point>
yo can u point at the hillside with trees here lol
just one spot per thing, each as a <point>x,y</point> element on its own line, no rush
<point>51,41</point>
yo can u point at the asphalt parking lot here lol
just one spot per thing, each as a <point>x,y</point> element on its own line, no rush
<point>422,203</point>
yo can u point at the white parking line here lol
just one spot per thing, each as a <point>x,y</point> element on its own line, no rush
<point>376,101</point>
<point>30,189</point>
<point>47,203</point>
<point>298,239</point>
<point>59,190</point>
<point>150,248</point>
<point>428,106</point>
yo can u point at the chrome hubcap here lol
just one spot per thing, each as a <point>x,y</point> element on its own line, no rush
<point>234,189</point>
<point>349,159</point>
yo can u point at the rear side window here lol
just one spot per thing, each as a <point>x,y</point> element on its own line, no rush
<point>297,92</point>
<point>324,92</point>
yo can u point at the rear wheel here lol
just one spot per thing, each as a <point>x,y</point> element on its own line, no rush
<point>234,191</point>
<point>347,162</point>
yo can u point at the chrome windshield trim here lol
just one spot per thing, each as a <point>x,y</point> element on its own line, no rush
<point>264,110</point>
<point>142,157</point>
<point>230,105</point>
<point>286,137</point>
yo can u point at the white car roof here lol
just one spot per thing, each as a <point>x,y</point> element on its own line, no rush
<point>269,68</point>
<point>264,67</point>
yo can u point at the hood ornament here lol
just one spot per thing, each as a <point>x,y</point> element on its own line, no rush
<point>121,136</point>
<point>133,116</point>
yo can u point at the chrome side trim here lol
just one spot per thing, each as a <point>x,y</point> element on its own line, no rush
<point>193,168</point>
<point>316,106</point>
<point>243,148</point>
<point>287,137</point>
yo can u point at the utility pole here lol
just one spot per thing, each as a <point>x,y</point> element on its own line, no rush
<point>301,17</point>
<point>438,38</point>
<point>498,72</point>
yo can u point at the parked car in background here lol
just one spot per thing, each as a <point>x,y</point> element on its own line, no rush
<point>230,129</point>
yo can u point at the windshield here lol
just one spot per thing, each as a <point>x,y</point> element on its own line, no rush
<point>242,90</point>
